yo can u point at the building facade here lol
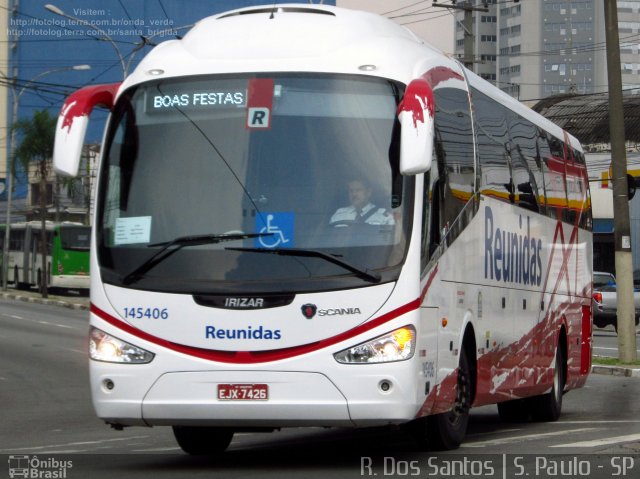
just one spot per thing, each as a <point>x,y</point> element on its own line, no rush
<point>534,49</point>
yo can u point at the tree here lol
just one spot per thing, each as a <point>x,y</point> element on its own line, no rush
<point>36,147</point>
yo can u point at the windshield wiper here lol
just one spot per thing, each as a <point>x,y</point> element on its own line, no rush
<point>363,273</point>
<point>170,247</point>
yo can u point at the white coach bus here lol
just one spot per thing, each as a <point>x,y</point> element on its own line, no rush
<point>309,217</point>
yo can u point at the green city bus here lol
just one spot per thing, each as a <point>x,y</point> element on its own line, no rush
<point>67,255</point>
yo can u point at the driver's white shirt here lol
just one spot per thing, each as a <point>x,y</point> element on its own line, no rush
<point>349,214</point>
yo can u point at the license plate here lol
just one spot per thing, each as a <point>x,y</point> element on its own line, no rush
<point>243,392</point>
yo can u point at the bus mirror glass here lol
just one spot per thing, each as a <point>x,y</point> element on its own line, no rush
<point>416,113</point>
<point>72,125</point>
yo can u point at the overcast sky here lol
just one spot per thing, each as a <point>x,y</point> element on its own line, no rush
<point>433,24</point>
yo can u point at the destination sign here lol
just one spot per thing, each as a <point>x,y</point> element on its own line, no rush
<point>196,100</point>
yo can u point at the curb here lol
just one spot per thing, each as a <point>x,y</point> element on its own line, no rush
<point>64,303</point>
<point>615,371</point>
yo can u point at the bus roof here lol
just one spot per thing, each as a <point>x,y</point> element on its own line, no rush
<point>314,38</point>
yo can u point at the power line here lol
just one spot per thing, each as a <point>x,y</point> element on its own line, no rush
<point>406,6</point>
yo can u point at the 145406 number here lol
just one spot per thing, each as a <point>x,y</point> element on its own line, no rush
<point>148,313</point>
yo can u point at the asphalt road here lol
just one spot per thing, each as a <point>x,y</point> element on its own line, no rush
<point>45,411</point>
<point>605,342</point>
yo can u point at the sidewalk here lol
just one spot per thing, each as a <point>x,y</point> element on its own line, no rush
<point>82,303</point>
<point>625,371</point>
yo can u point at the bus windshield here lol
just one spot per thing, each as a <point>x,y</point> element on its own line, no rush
<point>307,163</point>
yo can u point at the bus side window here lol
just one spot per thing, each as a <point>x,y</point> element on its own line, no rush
<point>583,197</point>
<point>16,240</point>
<point>492,136</point>
<point>526,168</point>
<point>426,217</point>
<point>431,217</point>
<point>455,160</point>
<point>551,151</point>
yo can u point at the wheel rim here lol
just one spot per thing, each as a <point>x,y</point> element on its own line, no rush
<point>461,404</point>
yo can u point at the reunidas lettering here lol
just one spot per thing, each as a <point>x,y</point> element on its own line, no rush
<point>211,332</point>
<point>512,257</point>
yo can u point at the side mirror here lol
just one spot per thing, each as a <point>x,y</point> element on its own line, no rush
<point>416,113</point>
<point>72,125</point>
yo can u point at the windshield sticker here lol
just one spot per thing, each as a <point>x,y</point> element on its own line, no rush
<point>260,103</point>
<point>277,230</point>
<point>133,230</point>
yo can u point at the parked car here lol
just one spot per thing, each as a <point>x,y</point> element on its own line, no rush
<point>605,301</point>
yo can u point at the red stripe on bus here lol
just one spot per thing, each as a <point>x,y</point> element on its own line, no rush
<point>250,357</point>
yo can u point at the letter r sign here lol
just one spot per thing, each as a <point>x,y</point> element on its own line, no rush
<point>259,103</point>
<point>258,117</point>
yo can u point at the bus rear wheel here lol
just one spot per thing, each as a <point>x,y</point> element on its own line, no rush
<point>548,407</point>
<point>203,441</point>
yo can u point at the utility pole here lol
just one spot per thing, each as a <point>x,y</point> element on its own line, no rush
<point>622,229</point>
<point>467,26</point>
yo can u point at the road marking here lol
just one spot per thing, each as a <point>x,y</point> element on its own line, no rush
<point>602,442</point>
<point>46,323</point>
<point>507,440</point>
<point>68,444</point>
<point>484,434</point>
<point>616,421</point>
<point>63,326</point>
<point>75,350</point>
<point>157,449</point>
<point>56,325</point>
<point>53,324</point>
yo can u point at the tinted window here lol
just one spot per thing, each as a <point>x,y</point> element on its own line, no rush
<point>454,154</point>
<point>492,136</point>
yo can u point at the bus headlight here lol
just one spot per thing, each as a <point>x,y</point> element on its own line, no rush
<point>398,345</point>
<point>104,347</point>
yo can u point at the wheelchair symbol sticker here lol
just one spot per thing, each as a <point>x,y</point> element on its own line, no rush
<point>280,227</point>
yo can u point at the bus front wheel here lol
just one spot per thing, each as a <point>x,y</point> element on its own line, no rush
<point>203,441</point>
<point>446,431</point>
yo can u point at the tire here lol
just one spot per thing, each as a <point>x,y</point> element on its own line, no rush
<point>446,431</point>
<point>548,407</point>
<point>599,323</point>
<point>516,410</point>
<point>203,441</point>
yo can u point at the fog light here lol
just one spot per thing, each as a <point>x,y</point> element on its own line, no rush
<point>385,386</point>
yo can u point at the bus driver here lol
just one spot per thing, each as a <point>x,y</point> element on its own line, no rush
<point>361,210</point>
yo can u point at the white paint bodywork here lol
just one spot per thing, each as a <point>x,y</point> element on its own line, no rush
<point>311,388</point>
